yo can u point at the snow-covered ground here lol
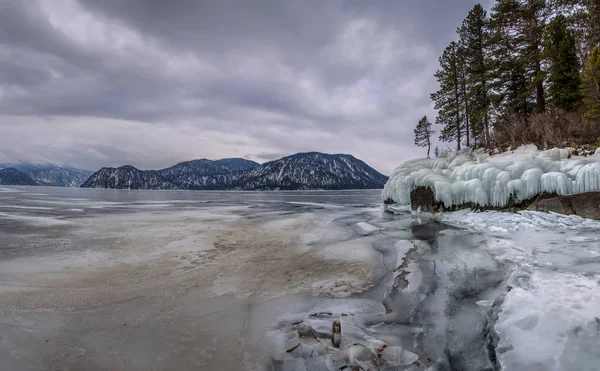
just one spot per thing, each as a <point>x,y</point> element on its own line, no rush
<point>461,177</point>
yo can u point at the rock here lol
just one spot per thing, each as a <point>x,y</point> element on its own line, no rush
<point>424,198</point>
<point>586,205</point>
<point>336,333</point>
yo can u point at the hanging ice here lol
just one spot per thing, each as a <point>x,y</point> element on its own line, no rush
<point>491,180</point>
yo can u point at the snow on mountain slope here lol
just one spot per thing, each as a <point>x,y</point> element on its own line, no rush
<point>461,177</point>
<point>311,170</point>
<point>51,174</point>
<point>297,172</point>
<point>230,165</point>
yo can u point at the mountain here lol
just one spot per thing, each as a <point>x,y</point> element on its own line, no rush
<point>184,171</point>
<point>305,171</point>
<point>302,171</point>
<point>51,174</point>
<point>229,165</point>
<point>127,177</point>
<point>12,176</point>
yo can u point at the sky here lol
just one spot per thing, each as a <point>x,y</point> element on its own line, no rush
<point>151,83</point>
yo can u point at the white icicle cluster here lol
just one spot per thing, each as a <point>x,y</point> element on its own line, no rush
<point>490,180</point>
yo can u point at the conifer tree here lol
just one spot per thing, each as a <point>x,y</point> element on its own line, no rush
<point>423,133</point>
<point>584,16</point>
<point>591,86</point>
<point>518,27</point>
<point>563,73</point>
<point>448,98</point>
<point>510,80</point>
<point>475,41</point>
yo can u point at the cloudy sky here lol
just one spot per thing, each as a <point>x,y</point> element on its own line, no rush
<point>96,83</point>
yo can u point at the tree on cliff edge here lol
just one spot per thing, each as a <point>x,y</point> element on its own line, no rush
<point>423,134</point>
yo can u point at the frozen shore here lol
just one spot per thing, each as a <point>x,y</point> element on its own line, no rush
<point>137,281</point>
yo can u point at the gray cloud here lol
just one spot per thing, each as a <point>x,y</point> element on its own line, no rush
<point>152,82</point>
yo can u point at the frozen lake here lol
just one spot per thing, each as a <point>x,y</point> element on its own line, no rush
<point>149,280</point>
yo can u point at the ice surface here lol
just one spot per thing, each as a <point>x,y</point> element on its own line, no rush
<point>549,321</point>
<point>8,190</point>
<point>238,283</point>
<point>494,222</point>
<point>37,221</point>
<point>473,176</point>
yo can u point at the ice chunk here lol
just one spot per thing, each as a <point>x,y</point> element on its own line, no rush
<point>365,228</point>
<point>474,177</point>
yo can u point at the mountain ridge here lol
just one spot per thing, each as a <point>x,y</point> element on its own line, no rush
<point>300,171</point>
<point>46,174</point>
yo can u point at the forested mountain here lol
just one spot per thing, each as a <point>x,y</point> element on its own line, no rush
<point>46,174</point>
<point>127,177</point>
<point>302,171</point>
<point>12,176</point>
<point>181,173</point>
<point>527,71</point>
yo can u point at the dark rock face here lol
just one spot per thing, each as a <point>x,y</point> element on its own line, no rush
<point>424,198</point>
<point>12,176</point>
<point>303,171</point>
<point>586,205</point>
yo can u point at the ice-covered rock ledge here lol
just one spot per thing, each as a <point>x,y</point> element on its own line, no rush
<point>550,180</point>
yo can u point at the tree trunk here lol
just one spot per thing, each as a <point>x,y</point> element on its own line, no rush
<point>486,127</point>
<point>457,101</point>
<point>464,91</point>
<point>539,91</point>
<point>540,102</point>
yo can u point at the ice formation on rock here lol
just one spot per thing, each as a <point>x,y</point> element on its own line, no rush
<point>467,176</point>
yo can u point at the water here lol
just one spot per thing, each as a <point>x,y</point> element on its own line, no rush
<point>149,280</point>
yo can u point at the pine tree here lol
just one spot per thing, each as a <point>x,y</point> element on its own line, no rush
<point>593,10</point>
<point>448,98</point>
<point>518,27</point>
<point>584,16</point>
<point>423,133</point>
<point>509,78</point>
<point>591,86</point>
<point>563,73</point>
<point>475,40</point>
